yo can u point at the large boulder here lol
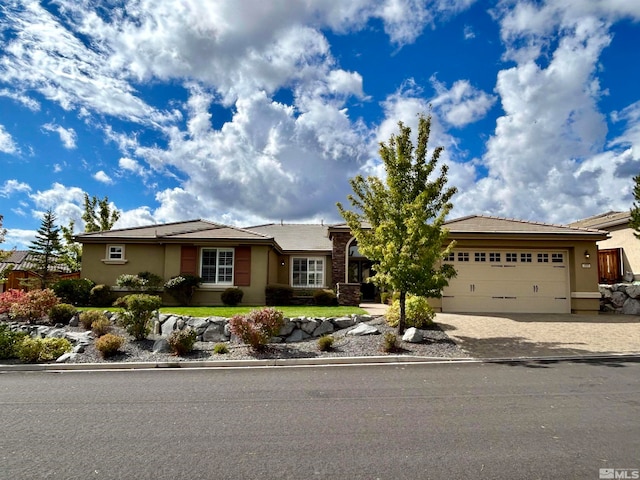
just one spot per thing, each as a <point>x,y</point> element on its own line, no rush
<point>633,291</point>
<point>325,327</point>
<point>412,335</point>
<point>297,336</point>
<point>168,326</point>
<point>631,307</point>
<point>215,332</point>
<point>618,298</point>
<point>344,322</point>
<point>308,325</point>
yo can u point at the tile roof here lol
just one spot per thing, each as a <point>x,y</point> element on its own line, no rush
<point>187,230</point>
<point>23,260</point>
<point>603,220</point>
<point>297,237</point>
<point>483,224</point>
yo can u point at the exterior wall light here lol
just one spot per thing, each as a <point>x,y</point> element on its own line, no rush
<point>587,254</point>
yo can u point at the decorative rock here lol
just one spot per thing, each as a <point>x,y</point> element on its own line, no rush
<point>325,327</point>
<point>308,325</point>
<point>214,333</point>
<point>180,324</point>
<point>412,335</point>
<point>363,329</point>
<point>56,333</point>
<point>631,307</point>
<point>161,346</point>
<point>169,326</point>
<point>297,336</point>
<point>66,357</point>
<point>633,291</point>
<point>288,326</point>
<point>78,349</point>
<point>618,298</point>
<point>80,338</point>
<point>344,322</point>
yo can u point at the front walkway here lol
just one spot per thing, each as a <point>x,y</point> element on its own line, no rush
<point>541,335</point>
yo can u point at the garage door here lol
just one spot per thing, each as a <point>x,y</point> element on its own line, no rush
<point>508,281</point>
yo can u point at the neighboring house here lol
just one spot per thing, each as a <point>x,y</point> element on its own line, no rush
<point>503,265</point>
<point>619,254</point>
<point>19,267</point>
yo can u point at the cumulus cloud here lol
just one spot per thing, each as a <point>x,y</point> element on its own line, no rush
<point>11,186</point>
<point>7,144</point>
<point>67,135</point>
<point>102,177</point>
<point>462,103</point>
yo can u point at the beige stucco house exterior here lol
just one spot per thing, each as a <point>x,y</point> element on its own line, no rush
<point>619,253</point>
<point>503,265</point>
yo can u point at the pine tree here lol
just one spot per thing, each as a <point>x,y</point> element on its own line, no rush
<point>398,223</point>
<point>46,248</point>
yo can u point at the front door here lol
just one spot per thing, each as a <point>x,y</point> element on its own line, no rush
<point>609,265</point>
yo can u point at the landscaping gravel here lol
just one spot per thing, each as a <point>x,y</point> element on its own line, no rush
<point>436,343</point>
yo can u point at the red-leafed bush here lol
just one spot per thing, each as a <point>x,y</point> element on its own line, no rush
<point>257,327</point>
<point>34,306</point>
<point>10,297</point>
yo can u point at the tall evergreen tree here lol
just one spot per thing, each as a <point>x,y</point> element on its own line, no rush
<point>634,221</point>
<point>46,249</point>
<point>398,223</point>
<point>98,214</point>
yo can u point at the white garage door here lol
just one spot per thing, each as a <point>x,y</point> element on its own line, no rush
<point>508,281</point>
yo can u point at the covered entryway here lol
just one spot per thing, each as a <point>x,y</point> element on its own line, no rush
<point>501,280</point>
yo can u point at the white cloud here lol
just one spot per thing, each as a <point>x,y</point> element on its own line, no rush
<point>17,238</point>
<point>13,185</point>
<point>462,103</point>
<point>102,177</point>
<point>130,165</point>
<point>67,135</point>
<point>7,145</point>
<point>25,100</point>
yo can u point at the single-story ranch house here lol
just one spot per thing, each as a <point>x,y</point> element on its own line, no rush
<point>503,265</point>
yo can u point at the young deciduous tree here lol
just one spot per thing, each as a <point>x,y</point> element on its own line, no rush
<point>398,222</point>
<point>71,250</point>
<point>634,221</point>
<point>46,248</point>
<point>98,215</point>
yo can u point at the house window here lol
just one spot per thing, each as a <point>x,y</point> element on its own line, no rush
<point>463,256</point>
<point>115,252</point>
<point>525,257</point>
<point>216,266</point>
<point>511,257</point>
<point>543,258</point>
<point>450,258</point>
<point>308,272</point>
<point>557,258</point>
<point>480,257</point>
<point>494,257</point>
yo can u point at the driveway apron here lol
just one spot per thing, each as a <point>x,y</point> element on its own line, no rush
<point>541,335</point>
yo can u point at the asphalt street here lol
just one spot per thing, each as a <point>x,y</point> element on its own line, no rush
<point>525,420</point>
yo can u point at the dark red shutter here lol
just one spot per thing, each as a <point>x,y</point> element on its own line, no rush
<point>242,267</point>
<point>189,260</point>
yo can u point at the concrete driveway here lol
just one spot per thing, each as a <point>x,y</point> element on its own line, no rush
<point>541,335</point>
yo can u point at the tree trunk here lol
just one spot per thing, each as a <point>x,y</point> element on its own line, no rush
<point>401,322</point>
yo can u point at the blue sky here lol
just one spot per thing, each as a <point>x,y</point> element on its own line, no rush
<point>247,112</point>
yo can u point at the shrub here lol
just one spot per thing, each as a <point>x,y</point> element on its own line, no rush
<point>133,282</point>
<point>390,343</point>
<point>257,327</point>
<point>278,294</point>
<point>325,343</point>
<point>109,344</point>
<point>87,318</point>
<point>232,296</point>
<point>9,341</point>
<point>417,309</point>
<point>34,305</point>
<point>101,326</point>
<point>10,297</point>
<point>220,348</point>
<point>181,342</point>
<point>31,350</point>
<point>153,280</point>
<point>137,313</point>
<point>325,297</point>
<point>75,291</point>
<point>62,313</point>
<point>101,296</point>
<point>182,288</point>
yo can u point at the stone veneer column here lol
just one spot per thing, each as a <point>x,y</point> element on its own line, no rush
<point>348,294</point>
<point>338,257</point>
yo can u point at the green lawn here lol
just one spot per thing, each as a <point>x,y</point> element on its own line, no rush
<point>289,311</point>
